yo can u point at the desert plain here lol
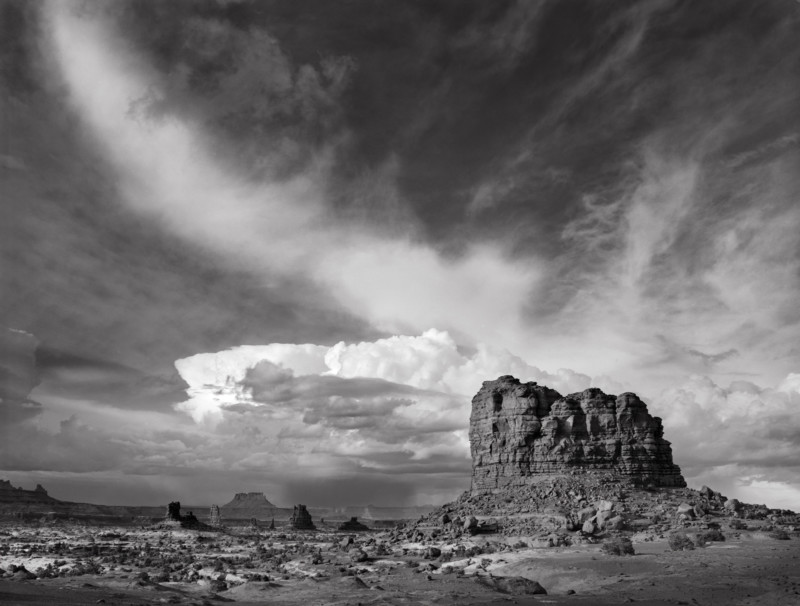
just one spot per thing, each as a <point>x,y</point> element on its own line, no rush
<point>757,562</point>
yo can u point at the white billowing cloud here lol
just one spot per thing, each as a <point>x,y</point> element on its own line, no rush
<point>431,361</point>
<point>275,228</point>
<point>742,437</point>
<point>215,379</point>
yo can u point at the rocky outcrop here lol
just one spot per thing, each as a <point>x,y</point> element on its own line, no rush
<point>214,518</point>
<point>301,519</point>
<point>522,432</point>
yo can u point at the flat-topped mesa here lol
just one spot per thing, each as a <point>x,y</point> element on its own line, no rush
<point>521,432</point>
<point>249,499</point>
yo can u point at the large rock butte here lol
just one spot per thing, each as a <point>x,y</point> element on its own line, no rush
<point>521,433</point>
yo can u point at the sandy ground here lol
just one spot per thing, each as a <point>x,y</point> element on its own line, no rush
<point>747,569</point>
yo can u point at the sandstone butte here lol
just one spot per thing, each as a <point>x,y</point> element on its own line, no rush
<point>523,433</point>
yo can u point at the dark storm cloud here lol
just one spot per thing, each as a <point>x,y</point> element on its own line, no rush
<point>89,278</point>
<point>392,418</point>
<point>83,378</point>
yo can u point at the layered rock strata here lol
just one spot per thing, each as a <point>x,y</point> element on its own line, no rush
<point>522,432</point>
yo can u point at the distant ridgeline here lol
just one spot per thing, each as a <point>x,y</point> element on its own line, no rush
<point>37,505</point>
<point>523,432</point>
<point>12,494</point>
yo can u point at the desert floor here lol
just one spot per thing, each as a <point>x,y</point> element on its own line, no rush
<point>305,570</point>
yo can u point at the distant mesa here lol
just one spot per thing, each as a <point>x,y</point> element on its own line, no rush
<point>523,432</point>
<point>11,495</point>
<point>243,500</point>
<point>247,505</point>
<point>353,525</point>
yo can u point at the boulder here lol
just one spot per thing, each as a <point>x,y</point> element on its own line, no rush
<point>615,523</point>
<point>470,523</point>
<point>602,518</point>
<point>589,527</point>
<point>587,513</point>
<point>346,542</point>
<point>357,555</point>
<point>685,509</point>
<point>733,505</point>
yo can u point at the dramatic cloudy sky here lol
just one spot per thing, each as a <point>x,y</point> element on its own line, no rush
<point>278,245</point>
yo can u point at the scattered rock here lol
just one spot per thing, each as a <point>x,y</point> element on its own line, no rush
<point>733,505</point>
<point>357,555</point>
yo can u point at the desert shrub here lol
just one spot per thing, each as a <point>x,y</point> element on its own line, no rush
<point>737,524</point>
<point>713,534</point>
<point>618,546</point>
<point>678,541</point>
<point>780,535</point>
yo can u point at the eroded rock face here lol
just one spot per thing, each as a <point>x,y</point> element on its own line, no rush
<point>520,432</point>
<point>215,519</point>
<point>301,519</point>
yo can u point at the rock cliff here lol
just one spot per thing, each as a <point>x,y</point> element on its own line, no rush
<point>523,432</point>
<point>301,519</point>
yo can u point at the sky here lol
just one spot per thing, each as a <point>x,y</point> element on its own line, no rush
<point>277,246</point>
